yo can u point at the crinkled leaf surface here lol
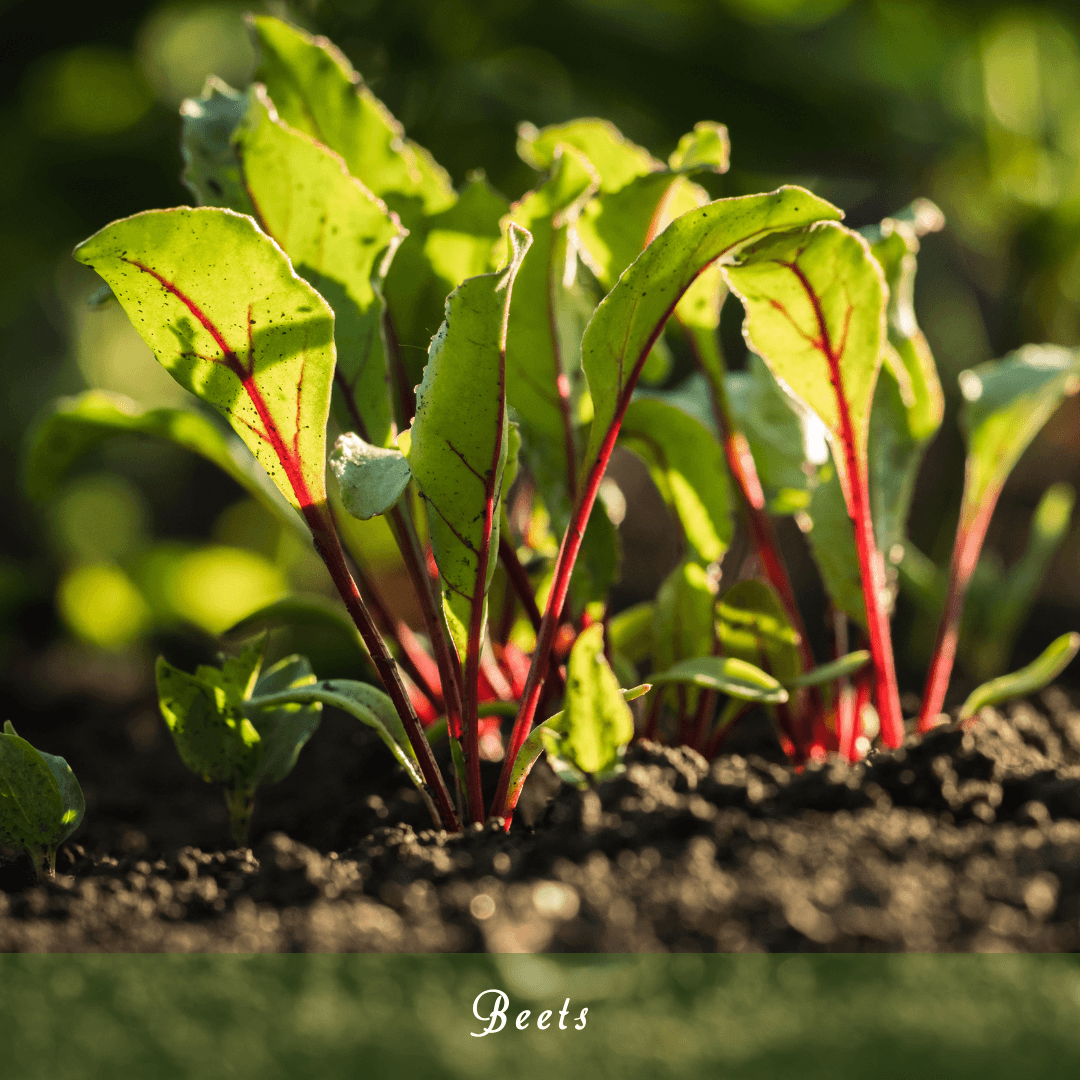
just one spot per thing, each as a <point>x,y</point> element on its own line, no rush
<point>76,425</point>
<point>316,90</point>
<point>41,803</point>
<point>337,235</point>
<point>752,625</point>
<point>1006,403</point>
<point>222,309</point>
<point>371,479</point>
<point>815,313</point>
<point>631,316</point>
<point>687,465</point>
<point>214,738</point>
<point>597,724</point>
<point>459,438</point>
<point>284,730</point>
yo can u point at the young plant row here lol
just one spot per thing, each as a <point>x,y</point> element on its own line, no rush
<point>473,364</point>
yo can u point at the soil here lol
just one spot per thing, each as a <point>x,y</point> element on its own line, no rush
<point>960,841</point>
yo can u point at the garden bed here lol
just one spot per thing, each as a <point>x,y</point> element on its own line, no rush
<point>964,841</point>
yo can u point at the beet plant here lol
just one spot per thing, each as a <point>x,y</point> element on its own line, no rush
<point>383,344</point>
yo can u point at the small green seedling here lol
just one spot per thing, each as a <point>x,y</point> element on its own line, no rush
<point>226,737</point>
<point>41,803</point>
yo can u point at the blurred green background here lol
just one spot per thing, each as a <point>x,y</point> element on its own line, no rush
<point>730,1017</point>
<point>871,103</point>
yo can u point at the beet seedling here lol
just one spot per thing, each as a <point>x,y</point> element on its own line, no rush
<point>41,803</point>
<point>474,364</point>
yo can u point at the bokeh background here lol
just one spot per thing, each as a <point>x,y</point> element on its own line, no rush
<point>870,103</point>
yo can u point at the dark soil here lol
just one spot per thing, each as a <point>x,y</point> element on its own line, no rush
<point>963,841</point>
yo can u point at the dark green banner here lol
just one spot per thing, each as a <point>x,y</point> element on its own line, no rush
<point>327,1017</point>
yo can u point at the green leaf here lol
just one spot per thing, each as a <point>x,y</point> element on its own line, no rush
<point>371,479</point>
<point>683,615</point>
<point>316,90</point>
<point>630,318</point>
<point>631,632</point>
<point>283,731</point>
<point>597,724</point>
<point>459,438</point>
<point>440,252</point>
<point>213,736</point>
<point>1006,403</point>
<point>543,359</point>
<point>615,158</point>
<point>362,702</point>
<point>76,425</point>
<point>41,803</point>
<point>777,435</point>
<point>727,674</point>
<point>687,465</point>
<point>336,233</point>
<point>1041,671</point>
<point>222,309</point>
<point>752,625</point>
<point>826,673</point>
<point>906,412</point>
<point>815,313</point>
<point>534,745</point>
<point>706,147</point>
<point>213,170</point>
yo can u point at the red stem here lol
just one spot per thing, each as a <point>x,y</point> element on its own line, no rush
<point>965,557</point>
<point>564,566</point>
<point>324,533</point>
<point>871,567</point>
<point>328,544</point>
<point>523,588</point>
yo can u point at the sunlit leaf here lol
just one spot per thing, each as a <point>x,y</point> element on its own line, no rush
<point>41,802</point>
<point>631,316</point>
<point>596,724</point>
<point>459,440</point>
<point>316,90</point>
<point>337,236</point>
<point>222,309</point>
